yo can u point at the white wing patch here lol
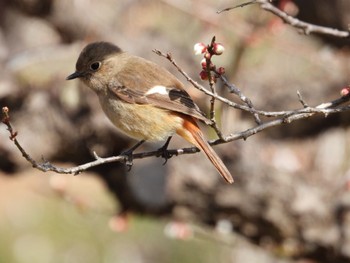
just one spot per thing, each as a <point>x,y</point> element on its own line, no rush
<point>157,90</point>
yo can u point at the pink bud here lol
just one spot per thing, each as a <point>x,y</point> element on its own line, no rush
<point>199,48</point>
<point>218,49</point>
<point>221,71</point>
<point>207,55</point>
<point>204,63</point>
<point>345,91</point>
<point>204,75</point>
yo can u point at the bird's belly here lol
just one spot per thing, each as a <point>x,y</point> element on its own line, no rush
<point>142,122</point>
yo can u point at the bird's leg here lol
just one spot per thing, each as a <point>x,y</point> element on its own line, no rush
<point>163,151</point>
<point>128,153</point>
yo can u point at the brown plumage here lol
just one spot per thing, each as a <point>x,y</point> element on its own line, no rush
<point>142,99</point>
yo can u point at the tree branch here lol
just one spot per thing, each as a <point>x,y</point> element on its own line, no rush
<point>307,28</point>
<point>283,117</point>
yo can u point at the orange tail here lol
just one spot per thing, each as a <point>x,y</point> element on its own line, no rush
<point>191,132</point>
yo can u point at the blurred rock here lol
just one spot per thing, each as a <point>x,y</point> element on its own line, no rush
<point>97,24</point>
<point>46,67</point>
<point>23,32</point>
<point>33,7</point>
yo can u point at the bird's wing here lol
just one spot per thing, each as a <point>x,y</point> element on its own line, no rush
<point>140,90</point>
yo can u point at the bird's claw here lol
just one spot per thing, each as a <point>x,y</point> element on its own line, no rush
<point>164,153</point>
<point>129,155</point>
<point>128,159</point>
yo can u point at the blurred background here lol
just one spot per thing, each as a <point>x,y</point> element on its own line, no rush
<point>290,201</point>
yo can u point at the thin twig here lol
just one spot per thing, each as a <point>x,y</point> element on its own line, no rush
<point>250,109</point>
<point>307,28</point>
<point>203,89</point>
<point>47,166</point>
<point>211,81</point>
<point>233,89</point>
<point>302,101</point>
<point>237,6</point>
<point>288,117</point>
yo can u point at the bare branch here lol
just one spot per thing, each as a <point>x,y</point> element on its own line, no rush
<point>250,108</point>
<point>237,6</point>
<point>302,101</point>
<point>46,166</point>
<point>233,89</point>
<point>211,80</point>
<point>284,117</point>
<point>195,84</point>
<point>307,28</point>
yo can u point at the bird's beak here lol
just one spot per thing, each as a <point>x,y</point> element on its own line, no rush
<point>75,75</point>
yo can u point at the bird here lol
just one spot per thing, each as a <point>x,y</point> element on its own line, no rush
<point>142,99</point>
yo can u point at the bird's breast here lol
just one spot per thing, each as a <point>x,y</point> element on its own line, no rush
<point>142,122</point>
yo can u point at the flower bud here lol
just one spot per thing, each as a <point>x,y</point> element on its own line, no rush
<point>199,48</point>
<point>345,91</point>
<point>204,75</point>
<point>207,55</point>
<point>221,71</point>
<point>204,63</point>
<point>218,49</point>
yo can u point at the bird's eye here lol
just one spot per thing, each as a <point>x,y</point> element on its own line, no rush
<point>95,65</point>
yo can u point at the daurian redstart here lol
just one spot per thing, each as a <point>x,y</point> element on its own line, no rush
<point>142,99</point>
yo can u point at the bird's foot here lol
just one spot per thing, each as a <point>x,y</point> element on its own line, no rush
<point>129,154</point>
<point>164,153</point>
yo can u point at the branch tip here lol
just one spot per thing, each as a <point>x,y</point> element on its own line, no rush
<point>237,6</point>
<point>5,115</point>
